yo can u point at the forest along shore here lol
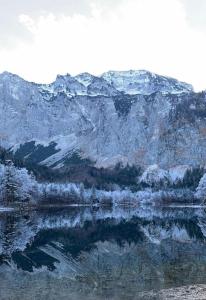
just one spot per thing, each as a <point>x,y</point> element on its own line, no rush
<point>19,187</point>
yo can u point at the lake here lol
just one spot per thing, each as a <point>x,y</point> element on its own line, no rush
<point>99,253</point>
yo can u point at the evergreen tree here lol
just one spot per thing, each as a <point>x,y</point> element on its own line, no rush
<point>81,192</point>
<point>10,184</point>
<point>93,194</point>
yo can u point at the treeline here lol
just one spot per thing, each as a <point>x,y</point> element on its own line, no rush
<point>122,176</point>
<point>17,186</point>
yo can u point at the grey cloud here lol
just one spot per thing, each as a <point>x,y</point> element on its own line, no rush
<point>10,28</point>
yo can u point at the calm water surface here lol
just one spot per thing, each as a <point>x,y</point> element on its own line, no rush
<point>100,254</point>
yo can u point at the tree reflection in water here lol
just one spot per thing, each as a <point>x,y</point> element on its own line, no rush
<point>115,253</point>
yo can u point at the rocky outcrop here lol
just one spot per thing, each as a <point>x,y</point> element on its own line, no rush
<point>153,175</point>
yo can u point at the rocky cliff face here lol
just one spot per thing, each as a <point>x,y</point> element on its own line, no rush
<point>133,117</point>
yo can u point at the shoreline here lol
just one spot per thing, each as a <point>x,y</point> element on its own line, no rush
<point>128,205</point>
<point>191,292</point>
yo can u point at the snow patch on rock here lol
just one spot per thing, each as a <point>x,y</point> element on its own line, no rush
<point>154,175</point>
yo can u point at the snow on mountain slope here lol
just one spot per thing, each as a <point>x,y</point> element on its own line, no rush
<point>65,84</point>
<point>85,78</point>
<point>144,82</point>
<point>92,117</point>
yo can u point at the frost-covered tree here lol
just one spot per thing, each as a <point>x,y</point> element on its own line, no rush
<point>201,189</point>
<point>16,184</point>
<point>10,183</point>
<point>73,191</point>
<point>28,188</point>
<point>81,192</point>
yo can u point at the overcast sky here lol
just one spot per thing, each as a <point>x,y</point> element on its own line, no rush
<point>42,38</point>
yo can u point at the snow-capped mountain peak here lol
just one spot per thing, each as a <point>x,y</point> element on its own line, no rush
<point>144,82</point>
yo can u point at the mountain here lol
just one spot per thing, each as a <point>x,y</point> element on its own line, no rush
<point>132,117</point>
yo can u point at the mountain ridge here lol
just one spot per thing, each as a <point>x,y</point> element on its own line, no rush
<point>162,123</point>
<point>86,79</point>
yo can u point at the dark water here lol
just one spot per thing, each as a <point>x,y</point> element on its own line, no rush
<point>100,254</point>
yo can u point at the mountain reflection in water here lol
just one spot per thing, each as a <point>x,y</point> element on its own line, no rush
<point>80,253</point>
